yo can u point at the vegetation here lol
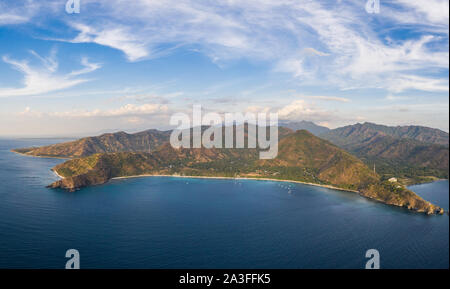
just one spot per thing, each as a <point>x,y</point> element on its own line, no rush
<point>411,153</point>
<point>302,157</point>
<point>144,141</point>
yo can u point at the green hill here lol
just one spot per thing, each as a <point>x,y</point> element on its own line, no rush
<point>396,151</point>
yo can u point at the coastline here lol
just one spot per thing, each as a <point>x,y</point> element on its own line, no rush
<point>44,157</point>
<point>61,178</point>
<point>426,182</point>
<point>268,179</point>
<point>240,178</point>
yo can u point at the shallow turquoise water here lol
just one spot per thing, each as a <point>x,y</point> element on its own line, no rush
<point>164,222</point>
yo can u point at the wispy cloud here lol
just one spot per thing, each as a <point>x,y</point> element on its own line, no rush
<point>45,78</point>
<point>405,82</point>
<point>326,98</point>
<point>298,44</point>
<point>21,11</point>
<point>6,19</point>
<point>301,110</point>
<point>314,41</point>
<point>128,110</point>
<point>119,37</point>
<point>434,11</point>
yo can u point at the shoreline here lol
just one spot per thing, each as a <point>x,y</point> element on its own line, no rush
<point>239,178</point>
<point>427,182</point>
<point>267,179</point>
<point>44,157</point>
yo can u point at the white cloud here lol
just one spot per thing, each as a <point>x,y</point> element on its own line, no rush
<point>128,110</point>
<point>375,58</point>
<point>44,79</point>
<point>6,19</point>
<point>257,109</point>
<point>22,11</point>
<point>299,110</point>
<point>435,11</point>
<point>293,66</point>
<point>118,37</point>
<point>88,67</point>
<point>314,41</point>
<point>420,83</point>
<point>30,112</point>
<point>326,98</point>
<point>134,120</point>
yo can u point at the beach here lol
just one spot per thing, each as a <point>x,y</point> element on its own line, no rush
<point>240,178</point>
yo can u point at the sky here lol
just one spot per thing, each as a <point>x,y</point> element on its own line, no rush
<point>130,65</point>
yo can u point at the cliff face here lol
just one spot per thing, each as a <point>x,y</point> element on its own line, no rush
<point>301,157</point>
<point>91,178</point>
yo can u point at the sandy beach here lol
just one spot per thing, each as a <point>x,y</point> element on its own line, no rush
<point>58,175</point>
<point>241,178</point>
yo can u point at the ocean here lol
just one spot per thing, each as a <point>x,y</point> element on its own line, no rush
<point>168,222</point>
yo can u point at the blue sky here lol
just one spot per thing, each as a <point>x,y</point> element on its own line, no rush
<point>129,65</point>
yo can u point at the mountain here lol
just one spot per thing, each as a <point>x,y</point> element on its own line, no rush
<point>306,125</point>
<point>412,152</point>
<point>302,157</point>
<point>353,134</point>
<point>418,133</point>
<point>144,141</point>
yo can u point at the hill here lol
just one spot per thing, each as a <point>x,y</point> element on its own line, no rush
<point>418,133</point>
<point>396,151</point>
<point>306,125</point>
<point>145,141</point>
<point>302,157</point>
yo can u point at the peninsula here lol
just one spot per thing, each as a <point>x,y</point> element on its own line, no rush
<point>302,157</point>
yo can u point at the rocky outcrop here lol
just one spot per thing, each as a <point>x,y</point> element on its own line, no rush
<point>390,194</point>
<point>91,178</point>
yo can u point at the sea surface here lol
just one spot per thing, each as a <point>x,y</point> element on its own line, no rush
<point>165,222</point>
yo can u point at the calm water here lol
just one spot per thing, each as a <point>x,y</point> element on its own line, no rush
<point>166,222</point>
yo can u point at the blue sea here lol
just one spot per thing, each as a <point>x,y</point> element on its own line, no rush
<point>165,222</point>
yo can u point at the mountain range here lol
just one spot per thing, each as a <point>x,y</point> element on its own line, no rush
<point>144,141</point>
<point>414,153</point>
